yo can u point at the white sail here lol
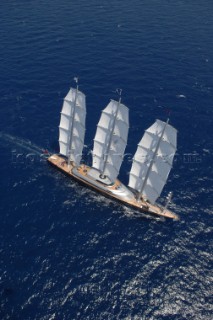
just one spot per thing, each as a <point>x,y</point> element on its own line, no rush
<point>111,139</point>
<point>153,160</point>
<point>72,125</point>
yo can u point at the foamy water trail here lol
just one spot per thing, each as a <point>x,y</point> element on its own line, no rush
<point>24,144</point>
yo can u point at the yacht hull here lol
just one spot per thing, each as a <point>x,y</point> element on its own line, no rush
<point>89,177</point>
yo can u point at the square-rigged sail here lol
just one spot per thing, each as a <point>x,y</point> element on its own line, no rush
<point>111,139</point>
<point>72,125</point>
<point>153,160</point>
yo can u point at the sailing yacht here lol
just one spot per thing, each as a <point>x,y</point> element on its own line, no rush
<point>151,164</point>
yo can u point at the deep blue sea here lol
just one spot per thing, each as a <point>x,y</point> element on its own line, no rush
<point>67,253</point>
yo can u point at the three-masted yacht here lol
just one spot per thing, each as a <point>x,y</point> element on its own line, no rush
<point>151,165</point>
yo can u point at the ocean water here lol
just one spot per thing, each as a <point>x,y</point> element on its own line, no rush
<point>67,252</point>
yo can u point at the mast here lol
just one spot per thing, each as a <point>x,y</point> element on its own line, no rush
<point>119,91</point>
<point>152,161</point>
<point>71,126</point>
<point>111,139</point>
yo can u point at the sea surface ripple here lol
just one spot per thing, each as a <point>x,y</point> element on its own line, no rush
<point>67,252</point>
